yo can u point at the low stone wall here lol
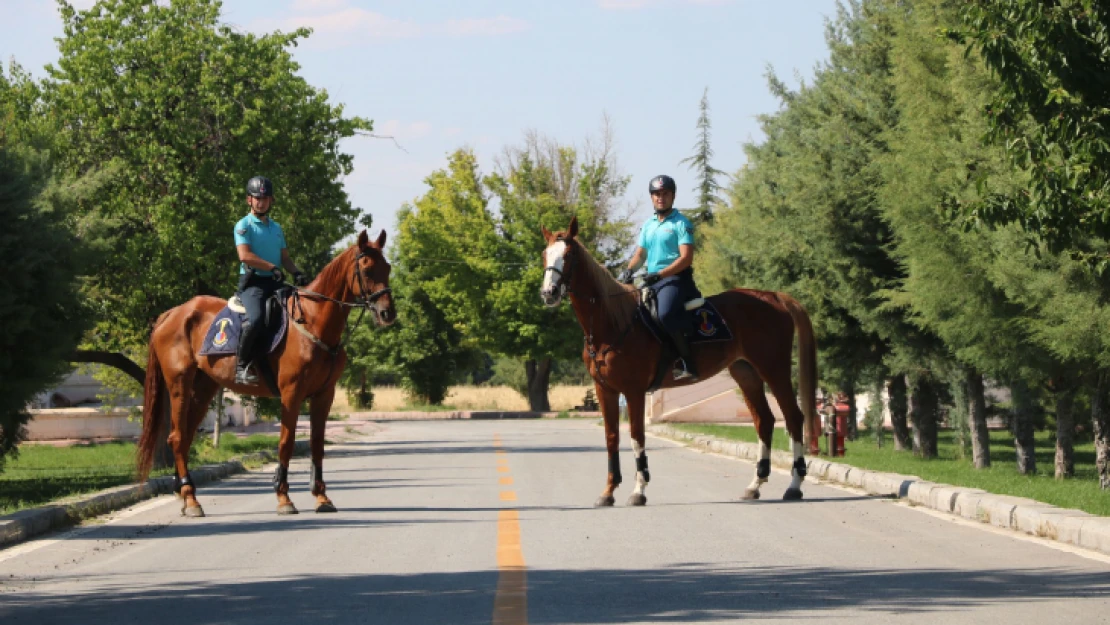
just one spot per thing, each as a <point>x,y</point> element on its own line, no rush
<point>81,423</point>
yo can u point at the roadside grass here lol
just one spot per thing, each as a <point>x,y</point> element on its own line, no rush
<point>1081,492</point>
<point>42,474</point>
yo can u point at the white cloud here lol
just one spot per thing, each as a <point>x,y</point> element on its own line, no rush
<point>316,5</point>
<point>352,25</point>
<point>625,5</point>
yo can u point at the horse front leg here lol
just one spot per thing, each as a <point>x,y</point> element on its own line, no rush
<point>319,408</point>
<point>610,410</point>
<point>289,410</point>
<point>639,448</point>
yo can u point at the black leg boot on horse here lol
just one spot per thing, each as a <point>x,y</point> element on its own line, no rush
<point>688,369</point>
<point>245,354</point>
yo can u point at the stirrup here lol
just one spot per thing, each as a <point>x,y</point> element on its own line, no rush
<point>245,376</point>
<point>682,373</point>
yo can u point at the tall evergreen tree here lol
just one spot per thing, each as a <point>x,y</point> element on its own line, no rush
<point>701,162</point>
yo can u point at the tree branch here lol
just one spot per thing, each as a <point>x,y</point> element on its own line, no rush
<point>112,359</point>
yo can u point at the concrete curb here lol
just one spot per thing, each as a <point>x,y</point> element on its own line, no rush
<point>1065,525</point>
<point>446,415</point>
<point>25,524</point>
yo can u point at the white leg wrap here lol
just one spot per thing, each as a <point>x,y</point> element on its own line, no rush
<point>764,454</point>
<point>795,479</point>
<point>637,451</point>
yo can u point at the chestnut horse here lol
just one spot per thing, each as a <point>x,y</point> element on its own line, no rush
<point>622,355</point>
<point>306,365</point>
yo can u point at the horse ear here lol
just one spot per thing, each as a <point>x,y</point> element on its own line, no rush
<point>572,229</point>
<point>380,243</point>
<point>363,240</point>
<point>547,236</point>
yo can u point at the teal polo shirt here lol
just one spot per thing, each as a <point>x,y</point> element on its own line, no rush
<point>265,238</point>
<point>662,238</point>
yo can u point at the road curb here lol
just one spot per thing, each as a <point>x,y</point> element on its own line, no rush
<point>20,526</point>
<point>1065,525</point>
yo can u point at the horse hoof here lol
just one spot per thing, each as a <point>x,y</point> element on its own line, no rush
<point>604,502</point>
<point>637,499</point>
<point>194,512</point>
<point>287,508</point>
<point>326,507</point>
<point>750,494</point>
<point>792,494</point>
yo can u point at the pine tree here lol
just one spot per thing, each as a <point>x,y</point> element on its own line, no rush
<point>701,162</point>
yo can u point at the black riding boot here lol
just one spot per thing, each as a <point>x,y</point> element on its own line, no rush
<point>245,353</point>
<point>688,370</point>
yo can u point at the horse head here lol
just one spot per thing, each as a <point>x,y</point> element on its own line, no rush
<point>371,279</point>
<point>557,265</point>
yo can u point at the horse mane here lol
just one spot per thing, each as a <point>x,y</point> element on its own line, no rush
<point>336,270</point>
<point>618,301</point>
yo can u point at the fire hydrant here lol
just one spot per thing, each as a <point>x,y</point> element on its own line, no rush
<point>836,425</point>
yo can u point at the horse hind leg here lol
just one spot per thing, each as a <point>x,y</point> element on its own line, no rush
<point>751,385</point>
<point>184,423</point>
<point>783,391</point>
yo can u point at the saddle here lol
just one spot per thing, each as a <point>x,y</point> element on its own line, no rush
<point>223,335</point>
<point>709,326</point>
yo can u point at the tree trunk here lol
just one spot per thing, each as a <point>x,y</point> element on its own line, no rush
<point>1065,432</point>
<point>1023,428</point>
<point>977,420</point>
<point>1100,415</point>
<point>539,374</point>
<point>853,422</point>
<point>923,416</point>
<point>112,359</point>
<point>898,408</point>
<point>219,418</point>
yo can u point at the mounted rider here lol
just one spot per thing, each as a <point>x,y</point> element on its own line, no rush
<point>260,242</point>
<point>667,244</point>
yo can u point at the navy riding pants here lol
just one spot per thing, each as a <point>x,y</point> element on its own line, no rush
<point>671,295</point>
<point>253,292</point>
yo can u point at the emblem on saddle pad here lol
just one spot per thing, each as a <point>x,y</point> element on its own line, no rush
<point>221,334</point>
<point>706,327</point>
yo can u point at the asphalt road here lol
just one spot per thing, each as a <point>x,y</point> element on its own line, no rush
<point>492,521</point>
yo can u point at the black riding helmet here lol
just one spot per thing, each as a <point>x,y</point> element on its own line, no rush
<point>662,183</point>
<point>260,186</point>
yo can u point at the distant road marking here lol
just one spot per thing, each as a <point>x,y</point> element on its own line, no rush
<point>510,605</point>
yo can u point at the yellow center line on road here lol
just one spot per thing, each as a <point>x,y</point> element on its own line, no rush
<point>510,605</point>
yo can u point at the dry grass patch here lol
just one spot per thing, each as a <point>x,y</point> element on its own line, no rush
<point>392,398</point>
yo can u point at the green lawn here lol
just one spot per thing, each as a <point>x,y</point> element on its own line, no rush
<point>42,474</point>
<point>1081,492</point>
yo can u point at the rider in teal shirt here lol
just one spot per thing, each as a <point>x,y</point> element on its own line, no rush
<point>667,242</point>
<point>260,243</point>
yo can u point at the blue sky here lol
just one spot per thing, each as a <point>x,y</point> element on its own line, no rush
<point>439,75</point>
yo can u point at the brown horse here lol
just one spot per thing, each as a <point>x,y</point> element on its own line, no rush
<point>622,356</point>
<point>307,365</point>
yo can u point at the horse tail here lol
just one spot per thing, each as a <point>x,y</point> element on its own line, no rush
<point>807,366</point>
<point>153,417</point>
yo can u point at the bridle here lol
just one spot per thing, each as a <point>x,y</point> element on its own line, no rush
<point>362,301</point>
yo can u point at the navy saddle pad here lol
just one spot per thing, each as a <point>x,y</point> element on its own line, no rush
<point>709,326</point>
<point>223,334</point>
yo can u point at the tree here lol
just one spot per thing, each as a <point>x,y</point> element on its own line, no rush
<point>186,110</point>
<point>479,267</point>
<point>41,315</point>
<point>701,162</point>
<point>1050,113</point>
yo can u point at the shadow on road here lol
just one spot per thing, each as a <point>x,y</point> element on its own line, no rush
<point>689,593</point>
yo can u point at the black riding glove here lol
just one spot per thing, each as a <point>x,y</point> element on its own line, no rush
<point>652,278</point>
<point>625,277</point>
<point>277,275</point>
<point>300,279</point>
